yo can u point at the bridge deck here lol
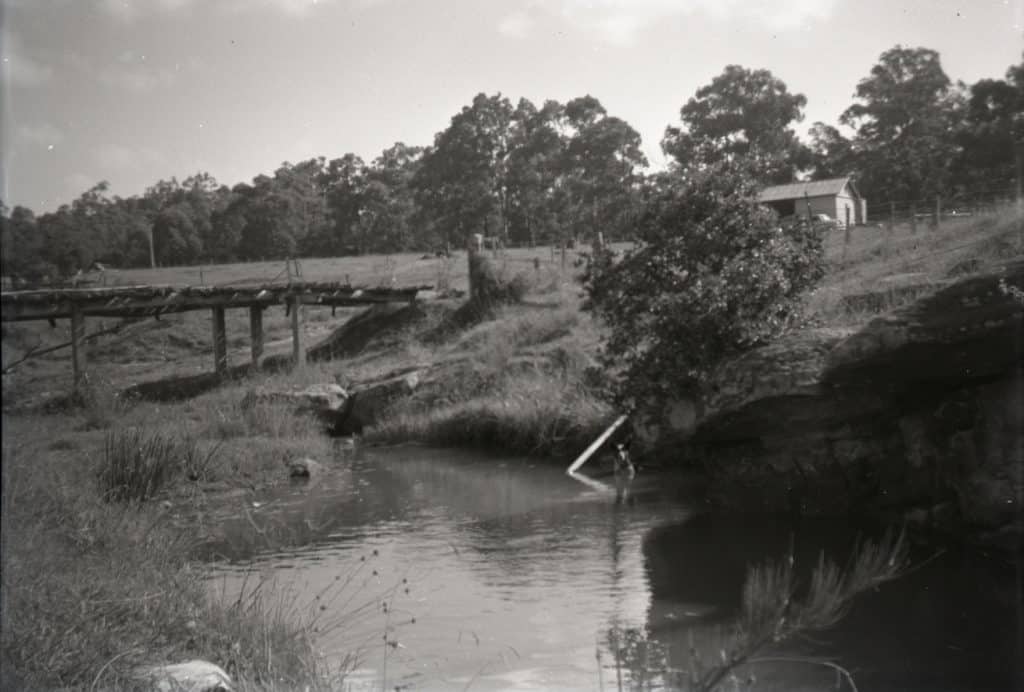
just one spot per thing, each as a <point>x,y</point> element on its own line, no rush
<point>143,301</point>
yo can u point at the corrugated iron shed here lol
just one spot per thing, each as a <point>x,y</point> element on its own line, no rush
<point>810,188</point>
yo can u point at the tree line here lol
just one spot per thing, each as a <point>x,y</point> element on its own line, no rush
<point>539,174</point>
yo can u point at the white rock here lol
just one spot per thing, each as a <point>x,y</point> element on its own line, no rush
<point>190,676</point>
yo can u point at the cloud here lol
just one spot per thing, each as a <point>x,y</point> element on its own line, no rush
<point>117,157</point>
<point>139,79</point>
<point>40,133</point>
<point>620,21</point>
<point>130,10</point>
<point>518,24</point>
<point>18,69</point>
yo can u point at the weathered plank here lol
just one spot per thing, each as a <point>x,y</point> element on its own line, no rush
<point>220,341</point>
<point>256,333</point>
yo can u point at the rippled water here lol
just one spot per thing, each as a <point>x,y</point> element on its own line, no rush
<point>488,573</point>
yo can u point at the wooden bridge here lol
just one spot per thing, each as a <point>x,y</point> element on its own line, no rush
<point>152,301</point>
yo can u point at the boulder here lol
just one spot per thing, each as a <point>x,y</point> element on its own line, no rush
<point>328,402</point>
<point>190,676</point>
<point>370,401</point>
<point>304,467</point>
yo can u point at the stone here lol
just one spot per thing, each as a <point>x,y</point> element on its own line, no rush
<point>328,402</point>
<point>304,467</point>
<point>190,676</point>
<point>369,402</point>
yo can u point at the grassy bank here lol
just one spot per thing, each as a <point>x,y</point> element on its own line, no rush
<point>94,588</point>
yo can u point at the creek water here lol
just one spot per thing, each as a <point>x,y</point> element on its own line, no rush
<point>444,569</point>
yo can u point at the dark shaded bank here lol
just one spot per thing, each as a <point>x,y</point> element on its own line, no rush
<point>918,416</point>
<point>950,624</point>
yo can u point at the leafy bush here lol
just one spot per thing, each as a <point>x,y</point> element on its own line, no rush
<point>713,273</point>
<point>491,287</point>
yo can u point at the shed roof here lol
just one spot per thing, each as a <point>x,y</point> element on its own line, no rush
<point>809,188</point>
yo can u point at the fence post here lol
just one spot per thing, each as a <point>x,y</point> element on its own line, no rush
<point>472,247</point>
<point>892,216</point>
<point>298,353</point>
<point>938,212</point>
<point>913,217</point>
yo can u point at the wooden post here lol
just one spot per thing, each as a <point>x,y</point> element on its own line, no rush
<point>152,255</point>
<point>938,211</point>
<point>256,333</point>
<point>471,249</point>
<point>77,348</point>
<point>220,341</point>
<point>298,353</point>
<point>892,216</point>
<point>913,217</point>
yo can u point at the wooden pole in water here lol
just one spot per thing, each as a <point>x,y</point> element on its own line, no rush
<point>256,333</point>
<point>596,444</point>
<point>220,341</point>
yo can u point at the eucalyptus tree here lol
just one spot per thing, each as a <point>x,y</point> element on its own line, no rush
<point>743,116</point>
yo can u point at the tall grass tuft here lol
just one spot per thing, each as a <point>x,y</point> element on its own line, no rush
<point>136,464</point>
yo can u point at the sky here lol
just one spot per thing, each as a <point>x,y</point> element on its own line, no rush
<point>134,91</point>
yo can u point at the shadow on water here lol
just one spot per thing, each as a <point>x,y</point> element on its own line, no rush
<point>952,622</point>
<point>516,576</point>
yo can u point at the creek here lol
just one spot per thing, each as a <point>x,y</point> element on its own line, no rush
<point>447,569</point>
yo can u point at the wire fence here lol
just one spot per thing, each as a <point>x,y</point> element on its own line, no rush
<point>987,197</point>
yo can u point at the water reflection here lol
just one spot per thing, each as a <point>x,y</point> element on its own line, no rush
<point>504,574</point>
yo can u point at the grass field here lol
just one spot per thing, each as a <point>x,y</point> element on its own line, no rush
<point>403,269</point>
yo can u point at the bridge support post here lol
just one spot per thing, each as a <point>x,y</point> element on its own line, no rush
<point>220,341</point>
<point>77,349</point>
<point>298,353</point>
<point>256,333</point>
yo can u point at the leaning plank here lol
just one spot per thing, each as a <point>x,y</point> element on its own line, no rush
<point>596,444</point>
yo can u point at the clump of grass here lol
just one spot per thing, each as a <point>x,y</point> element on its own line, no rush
<point>533,413</point>
<point>135,464</point>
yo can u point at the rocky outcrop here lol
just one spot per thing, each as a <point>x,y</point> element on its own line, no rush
<point>330,403</point>
<point>342,411</point>
<point>304,467</point>
<point>190,676</point>
<point>917,415</point>
<point>369,402</point>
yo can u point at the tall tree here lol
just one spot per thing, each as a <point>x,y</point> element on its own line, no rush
<point>600,165</point>
<point>534,166</point>
<point>832,154</point>
<point>992,134</point>
<point>903,115</point>
<point>462,185</point>
<point>388,204</point>
<point>742,115</point>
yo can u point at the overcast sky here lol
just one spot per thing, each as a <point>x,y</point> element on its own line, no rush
<point>132,91</point>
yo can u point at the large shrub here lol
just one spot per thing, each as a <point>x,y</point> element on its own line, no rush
<point>713,273</point>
